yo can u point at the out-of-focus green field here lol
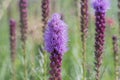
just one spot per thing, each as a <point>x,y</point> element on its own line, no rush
<point>72,67</point>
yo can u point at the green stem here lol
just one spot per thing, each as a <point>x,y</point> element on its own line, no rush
<point>44,65</point>
<point>25,60</point>
<point>14,71</point>
<point>45,62</point>
<point>84,58</point>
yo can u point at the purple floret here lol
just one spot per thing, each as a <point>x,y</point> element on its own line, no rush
<point>12,23</point>
<point>101,5</point>
<point>56,35</point>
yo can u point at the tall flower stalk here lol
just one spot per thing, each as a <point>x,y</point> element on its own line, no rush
<point>119,14</point>
<point>13,45</point>
<point>84,30</point>
<point>45,12</point>
<point>116,56</point>
<point>13,39</point>
<point>23,7</point>
<point>56,44</point>
<point>100,7</point>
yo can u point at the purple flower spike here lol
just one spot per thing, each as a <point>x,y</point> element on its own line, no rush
<point>116,56</point>
<point>56,35</point>
<point>84,31</point>
<point>13,39</point>
<point>45,12</point>
<point>100,7</point>
<point>56,44</point>
<point>23,6</point>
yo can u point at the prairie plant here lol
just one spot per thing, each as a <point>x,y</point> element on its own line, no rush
<point>23,7</point>
<point>13,45</point>
<point>45,12</point>
<point>84,30</point>
<point>100,7</point>
<point>56,44</point>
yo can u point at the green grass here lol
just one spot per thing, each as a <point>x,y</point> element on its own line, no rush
<point>72,62</point>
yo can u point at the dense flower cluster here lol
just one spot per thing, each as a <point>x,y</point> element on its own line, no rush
<point>84,31</point>
<point>56,44</point>
<point>45,12</point>
<point>13,39</point>
<point>100,7</point>
<point>23,18</point>
<point>56,35</point>
<point>84,18</point>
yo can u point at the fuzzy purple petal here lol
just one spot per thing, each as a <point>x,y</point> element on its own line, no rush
<point>101,5</point>
<point>56,35</point>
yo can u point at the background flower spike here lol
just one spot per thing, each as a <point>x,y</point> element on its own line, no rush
<point>100,6</point>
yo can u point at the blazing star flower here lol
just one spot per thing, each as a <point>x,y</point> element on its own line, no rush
<point>45,12</point>
<point>56,44</point>
<point>56,35</point>
<point>100,6</point>
<point>84,32</point>
<point>13,39</point>
<point>23,7</point>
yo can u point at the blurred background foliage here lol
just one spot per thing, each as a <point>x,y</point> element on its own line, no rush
<point>72,68</point>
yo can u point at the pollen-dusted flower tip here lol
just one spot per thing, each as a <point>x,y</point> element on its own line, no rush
<point>56,35</point>
<point>101,5</point>
<point>56,44</point>
<point>13,39</point>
